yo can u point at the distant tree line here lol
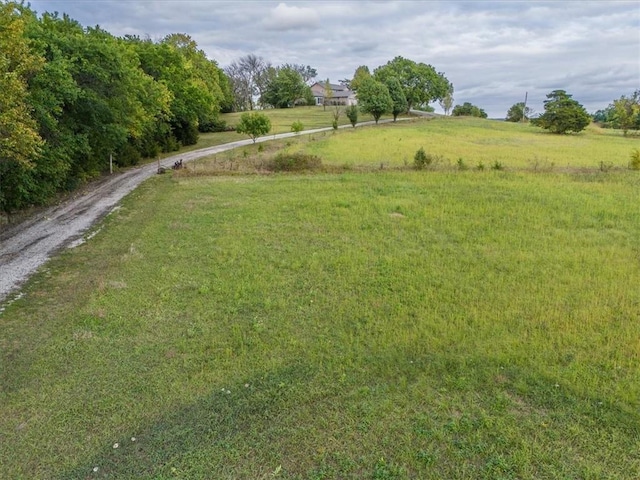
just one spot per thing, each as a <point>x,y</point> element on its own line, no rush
<point>72,96</point>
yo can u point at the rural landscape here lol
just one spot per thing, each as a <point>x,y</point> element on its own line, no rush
<point>381,293</point>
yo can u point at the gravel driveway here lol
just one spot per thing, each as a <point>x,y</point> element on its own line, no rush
<point>28,245</point>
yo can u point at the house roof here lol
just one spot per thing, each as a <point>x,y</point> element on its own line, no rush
<point>339,91</point>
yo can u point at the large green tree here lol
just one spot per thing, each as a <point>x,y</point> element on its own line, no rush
<point>362,73</point>
<point>420,82</point>
<point>285,88</point>
<point>374,98</point>
<point>397,97</point>
<point>562,114</point>
<point>72,96</point>
<point>20,142</point>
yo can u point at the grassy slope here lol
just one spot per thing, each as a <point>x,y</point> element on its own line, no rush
<point>380,325</point>
<point>281,121</point>
<point>477,141</point>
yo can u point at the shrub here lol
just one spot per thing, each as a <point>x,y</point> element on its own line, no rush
<point>421,159</point>
<point>497,165</point>
<point>352,114</point>
<point>215,124</point>
<point>294,162</point>
<point>634,163</point>
<point>461,164</point>
<point>297,127</point>
<point>605,166</point>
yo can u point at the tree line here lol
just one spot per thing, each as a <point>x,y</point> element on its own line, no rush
<point>71,97</point>
<point>623,113</point>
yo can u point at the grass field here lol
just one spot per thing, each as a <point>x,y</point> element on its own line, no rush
<point>281,121</point>
<point>477,141</point>
<point>388,324</point>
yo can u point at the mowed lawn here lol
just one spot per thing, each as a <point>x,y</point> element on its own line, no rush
<point>381,325</point>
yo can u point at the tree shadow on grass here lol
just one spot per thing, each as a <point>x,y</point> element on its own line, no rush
<point>238,422</point>
<point>259,425</point>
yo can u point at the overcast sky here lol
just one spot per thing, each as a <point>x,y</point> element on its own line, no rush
<point>492,51</point>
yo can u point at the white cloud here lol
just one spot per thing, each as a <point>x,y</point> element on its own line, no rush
<point>284,18</point>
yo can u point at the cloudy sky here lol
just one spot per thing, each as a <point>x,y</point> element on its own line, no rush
<point>492,51</point>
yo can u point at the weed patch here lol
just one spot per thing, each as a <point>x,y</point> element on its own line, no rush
<point>294,162</point>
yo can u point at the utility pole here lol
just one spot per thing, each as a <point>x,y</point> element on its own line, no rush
<point>111,164</point>
<point>524,107</point>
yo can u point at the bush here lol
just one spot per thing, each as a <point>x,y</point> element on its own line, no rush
<point>297,126</point>
<point>421,159</point>
<point>127,155</point>
<point>634,163</point>
<point>216,125</point>
<point>352,114</point>
<point>461,164</point>
<point>605,166</point>
<point>294,162</point>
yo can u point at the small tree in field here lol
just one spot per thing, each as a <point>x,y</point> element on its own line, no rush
<point>254,124</point>
<point>297,127</point>
<point>328,94</point>
<point>447,103</point>
<point>518,113</point>
<point>374,98</point>
<point>336,117</point>
<point>562,114</point>
<point>352,114</point>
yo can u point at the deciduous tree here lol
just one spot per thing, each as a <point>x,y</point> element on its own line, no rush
<point>397,96</point>
<point>518,113</point>
<point>20,142</point>
<point>254,124</point>
<point>446,102</point>
<point>626,112</point>
<point>420,82</point>
<point>328,94</point>
<point>361,74</point>
<point>374,98</point>
<point>285,88</point>
<point>468,109</point>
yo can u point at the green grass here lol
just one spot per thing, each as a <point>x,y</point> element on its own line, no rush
<point>311,117</point>
<point>281,121</point>
<point>382,325</point>
<point>386,324</point>
<point>476,141</point>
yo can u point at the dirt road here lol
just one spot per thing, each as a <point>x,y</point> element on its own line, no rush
<point>28,245</point>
